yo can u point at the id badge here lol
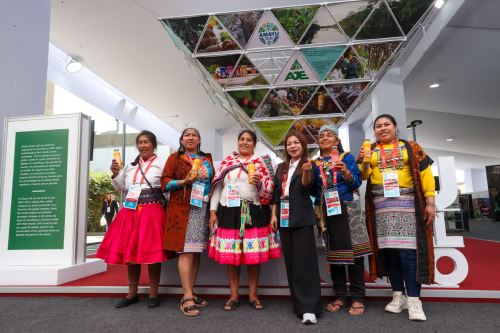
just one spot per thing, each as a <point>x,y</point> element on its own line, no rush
<point>284,211</point>
<point>332,202</point>
<point>134,192</point>
<point>391,184</point>
<point>233,195</point>
<point>108,210</point>
<point>197,192</point>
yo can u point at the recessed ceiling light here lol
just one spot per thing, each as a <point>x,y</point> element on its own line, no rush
<point>450,139</point>
<point>439,4</point>
<point>73,64</point>
<point>434,85</point>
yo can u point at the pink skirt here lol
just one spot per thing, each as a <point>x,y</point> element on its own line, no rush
<point>257,246</point>
<point>135,236</point>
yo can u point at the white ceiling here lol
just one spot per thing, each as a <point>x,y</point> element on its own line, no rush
<point>123,43</point>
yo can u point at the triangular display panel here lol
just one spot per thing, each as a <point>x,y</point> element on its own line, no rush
<point>351,15</point>
<point>241,25</point>
<point>345,94</point>
<point>295,20</point>
<point>249,100</point>
<point>409,12</point>
<point>188,29</point>
<point>299,127</point>
<point>321,103</point>
<point>246,74</point>
<point>323,30</point>
<point>375,55</point>
<point>270,63</point>
<point>268,34</point>
<point>220,67</point>
<point>380,24</point>
<point>274,130</point>
<point>348,67</point>
<point>216,38</point>
<point>273,106</point>
<point>314,124</point>
<point>295,98</point>
<point>322,59</point>
<point>297,71</point>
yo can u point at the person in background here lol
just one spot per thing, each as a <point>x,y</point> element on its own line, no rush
<point>400,213</point>
<point>187,176</point>
<point>293,214</point>
<point>109,209</point>
<point>136,234</point>
<point>240,214</point>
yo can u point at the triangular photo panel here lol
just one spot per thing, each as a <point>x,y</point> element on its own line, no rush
<point>380,24</point>
<point>273,106</point>
<point>274,130</point>
<point>249,100</point>
<point>348,67</point>
<point>321,103</point>
<point>220,67</point>
<point>345,94</point>
<point>246,74</point>
<point>322,59</point>
<point>323,30</point>
<point>241,25</point>
<point>188,29</point>
<point>351,15</point>
<point>297,71</point>
<point>216,38</point>
<point>295,20</point>
<point>375,55</point>
<point>269,34</point>
<point>409,12</point>
<point>270,63</point>
<point>299,127</point>
<point>314,124</point>
<point>295,98</point>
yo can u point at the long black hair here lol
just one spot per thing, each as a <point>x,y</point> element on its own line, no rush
<point>151,137</point>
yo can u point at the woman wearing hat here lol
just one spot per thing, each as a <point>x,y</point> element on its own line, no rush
<point>346,237</point>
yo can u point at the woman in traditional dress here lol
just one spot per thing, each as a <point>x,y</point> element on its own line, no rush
<point>240,215</point>
<point>187,176</point>
<point>136,235</point>
<point>293,213</point>
<point>400,212</point>
<point>346,237</point>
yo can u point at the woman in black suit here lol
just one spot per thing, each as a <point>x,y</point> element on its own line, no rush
<point>293,214</point>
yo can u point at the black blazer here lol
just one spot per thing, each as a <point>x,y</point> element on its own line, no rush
<point>301,208</point>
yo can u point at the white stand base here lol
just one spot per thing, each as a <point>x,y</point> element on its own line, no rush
<point>49,275</point>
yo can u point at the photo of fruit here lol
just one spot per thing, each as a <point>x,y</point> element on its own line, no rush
<point>249,100</point>
<point>295,98</point>
<point>246,74</point>
<point>321,103</point>
<point>221,67</point>
<point>216,38</point>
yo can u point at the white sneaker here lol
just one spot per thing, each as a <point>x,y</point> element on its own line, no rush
<point>415,311</point>
<point>398,303</point>
<point>309,319</point>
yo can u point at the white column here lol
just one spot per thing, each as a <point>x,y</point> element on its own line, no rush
<point>211,142</point>
<point>24,32</point>
<point>468,184</point>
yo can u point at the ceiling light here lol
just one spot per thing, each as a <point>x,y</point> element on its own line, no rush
<point>434,85</point>
<point>73,64</point>
<point>450,139</point>
<point>439,4</point>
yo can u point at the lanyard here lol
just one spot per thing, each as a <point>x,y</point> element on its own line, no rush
<point>145,171</point>
<point>395,154</point>
<point>335,172</point>
<point>191,161</point>
<point>241,168</point>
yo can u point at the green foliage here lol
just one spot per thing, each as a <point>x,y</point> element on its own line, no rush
<point>99,186</point>
<point>295,20</point>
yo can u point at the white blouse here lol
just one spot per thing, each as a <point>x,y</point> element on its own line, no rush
<point>126,175</point>
<point>247,191</point>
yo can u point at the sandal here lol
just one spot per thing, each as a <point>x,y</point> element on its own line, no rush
<point>190,310</point>
<point>257,304</point>
<point>200,302</point>
<point>230,305</point>
<point>353,309</point>
<point>335,306</point>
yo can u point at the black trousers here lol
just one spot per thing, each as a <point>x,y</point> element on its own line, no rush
<point>301,260</point>
<point>356,275</point>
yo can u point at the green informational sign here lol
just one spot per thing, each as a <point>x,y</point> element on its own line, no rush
<point>39,190</point>
<point>322,59</point>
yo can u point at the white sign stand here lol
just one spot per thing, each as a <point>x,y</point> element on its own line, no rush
<point>47,264</point>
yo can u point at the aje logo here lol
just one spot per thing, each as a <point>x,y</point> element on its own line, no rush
<point>269,33</point>
<point>296,72</point>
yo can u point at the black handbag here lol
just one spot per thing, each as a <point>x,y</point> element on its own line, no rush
<point>161,197</point>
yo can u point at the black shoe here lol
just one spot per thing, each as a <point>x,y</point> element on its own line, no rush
<point>153,302</point>
<point>124,302</point>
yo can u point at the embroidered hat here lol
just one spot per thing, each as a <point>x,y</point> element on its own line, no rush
<point>331,128</point>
